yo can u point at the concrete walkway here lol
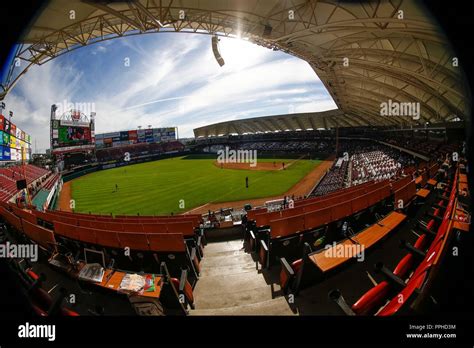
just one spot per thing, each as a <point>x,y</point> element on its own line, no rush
<point>230,284</point>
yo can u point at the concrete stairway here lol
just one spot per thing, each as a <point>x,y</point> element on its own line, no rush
<point>230,284</point>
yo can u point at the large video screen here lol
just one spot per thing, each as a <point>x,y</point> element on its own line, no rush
<point>70,135</point>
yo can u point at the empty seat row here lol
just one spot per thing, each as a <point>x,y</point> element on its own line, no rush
<point>133,251</point>
<point>129,250</point>
<point>162,226</point>
<point>194,218</point>
<point>313,265</point>
<point>136,241</point>
<point>371,301</point>
<point>265,218</point>
<point>410,272</point>
<point>317,218</point>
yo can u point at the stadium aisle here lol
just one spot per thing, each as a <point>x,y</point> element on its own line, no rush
<point>230,285</point>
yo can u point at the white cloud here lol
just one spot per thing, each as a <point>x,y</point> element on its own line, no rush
<point>40,88</point>
<point>177,84</point>
<point>99,49</point>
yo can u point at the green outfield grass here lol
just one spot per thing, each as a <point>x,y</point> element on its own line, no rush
<point>157,187</point>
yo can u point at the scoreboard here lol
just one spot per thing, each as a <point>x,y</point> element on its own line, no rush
<point>73,133</point>
<point>15,144</point>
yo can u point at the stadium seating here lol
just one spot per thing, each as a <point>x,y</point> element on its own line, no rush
<point>363,161</point>
<point>313,265</point>
<point>277,234</point>
<point>151,241</point>
<point>42,302</point>
<point>289,229</point>
<point>143,247</point>
<point>412,270</point>
<point>9,176</point>
<point>313,204</point>
<point>333,180</point>
<point>49,183</point>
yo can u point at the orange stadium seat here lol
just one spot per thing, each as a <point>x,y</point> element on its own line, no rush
<point>87,235</point>
<point>107,239</point>
<point>135,241</point>
<point>172,242</point>
<point>154,227</point>
<point>40,235</point>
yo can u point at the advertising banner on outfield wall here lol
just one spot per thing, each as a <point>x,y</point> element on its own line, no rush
<point>150,135</point>
<point>114,135</point>
<point>133,135</point>
<point>124,136</point>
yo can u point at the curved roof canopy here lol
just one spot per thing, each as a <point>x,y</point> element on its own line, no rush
<point>365,53</point>
<point>278,123</point>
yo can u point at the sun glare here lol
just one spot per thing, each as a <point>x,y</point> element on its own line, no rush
<point>239,53</point>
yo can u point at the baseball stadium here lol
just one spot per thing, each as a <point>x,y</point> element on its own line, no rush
<point>350,211</point>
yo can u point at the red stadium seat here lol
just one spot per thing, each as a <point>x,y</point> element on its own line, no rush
<point>372,299</point>
<point>186,228</point>
<point>134,241</point>
<point>154,227</point>
<point>40,235</point>
<point>340,211</point>
<point>30,231</point>
<point>107,239</point>
<point>66,230</point>
<point>360,203</point>
<point>87,235</point>
<point>172,242</point>
<point>317,218</point>
<point>286,226</point>
<point>128,227</point>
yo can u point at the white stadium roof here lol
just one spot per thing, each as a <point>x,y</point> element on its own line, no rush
<point>394,49</point>
<point>278,123</point>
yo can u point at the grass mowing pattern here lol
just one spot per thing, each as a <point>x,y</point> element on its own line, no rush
<point>157,187</point>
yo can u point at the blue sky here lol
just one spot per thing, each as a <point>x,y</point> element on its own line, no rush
<point>172,80</point>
